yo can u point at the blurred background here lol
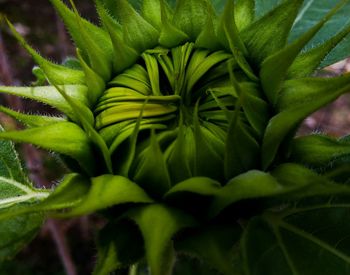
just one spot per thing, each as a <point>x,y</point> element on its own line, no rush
<point>66,247</point>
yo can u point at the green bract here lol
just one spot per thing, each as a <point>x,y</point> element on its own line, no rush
<point>179,126</point>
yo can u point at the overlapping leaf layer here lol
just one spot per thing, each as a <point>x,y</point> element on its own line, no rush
<point>179,125</point>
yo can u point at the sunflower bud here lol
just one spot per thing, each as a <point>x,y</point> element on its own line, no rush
<point>180,115</point>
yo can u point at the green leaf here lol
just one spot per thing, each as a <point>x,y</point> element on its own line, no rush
<point>180,155</point>
<point>16,232</point>
<point>307,62</point>
<point>197,185</point>
<point>147,162</point>
<point>124,55</point>
<point>120,244</point>
<point>208,162</point>
<point>120,190</point>
<point>94,82</point>
<point>274,69</point>
<point>229,36</point>
<point>153,73</point>
<point>85,118</point>
<point>289,181</point>
<point>170,36</point>
<point>49,95</point>
<point>299,98</point>
<point>99,60</point>
<point>99,36</point>
<point>67,194</point>
<point>63,137</point>
<point>138,33</point>
<point>218,5</point>
<point>305,239</point>
<point>311,184</point>
<point>310,14</point>
<point>135,78</point>
<point>269,34</point>
<point>151,11</point>
<point>318,151</point>
<point>213,245</point>
<point>190,16</point>
<point>61,75</point>
<point>244,13</point>
<point>252,184</point>
<point>31,120</point>
<point>264,6</point>
<point>242,150</point>
<point>158,224</point>
<point>208,39</point>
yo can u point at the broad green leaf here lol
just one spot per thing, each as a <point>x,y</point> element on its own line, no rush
<point>67,194</point>
<point>196,185</point>
<point>307,62</point>
<point>264,6</point>
<point>313,11</point>
<point>194,195</point>
<point>252,184</point>
<point>16,232</point>
<point>274,68</point>
<point>63,137</point>
<point>269,34</point>
<point>306,182</point>
<point>158,224</point>
<point>304,239</point>
<point>318,151</point>
<point>119,244</point>
<point>289,181</point>
<point>119,190</point>
<point>213,245</point>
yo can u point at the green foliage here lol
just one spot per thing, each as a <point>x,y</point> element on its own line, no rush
<point>283,243</point>
<point>179,129</point>
<point>15,189</point>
